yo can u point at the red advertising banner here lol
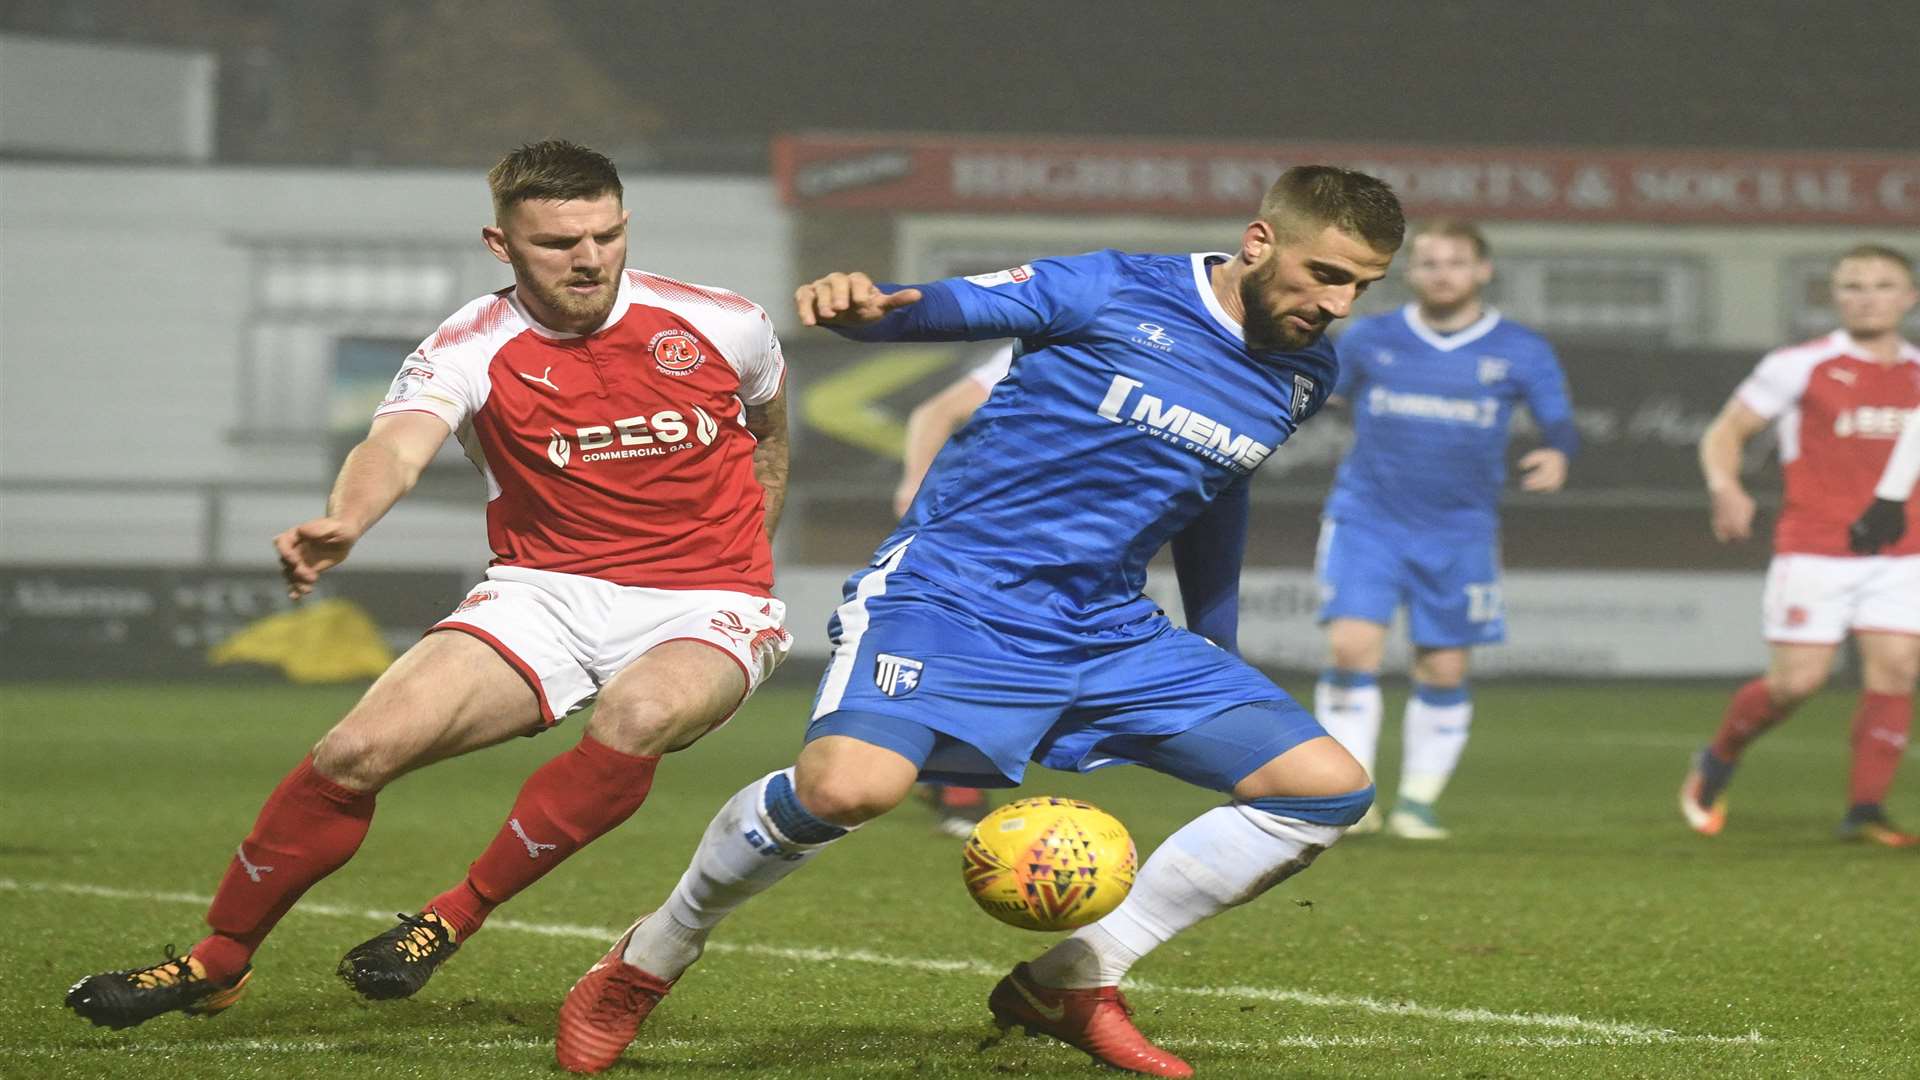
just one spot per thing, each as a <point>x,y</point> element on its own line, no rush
<point>1081,176</point>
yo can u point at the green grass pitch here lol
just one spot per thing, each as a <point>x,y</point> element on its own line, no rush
<point>1573,929</point>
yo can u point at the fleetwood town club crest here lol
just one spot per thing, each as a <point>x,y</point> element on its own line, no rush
<point>676,351</point>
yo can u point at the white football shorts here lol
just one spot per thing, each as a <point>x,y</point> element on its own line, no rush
<point>567,634</point>
<point>1819,599</point>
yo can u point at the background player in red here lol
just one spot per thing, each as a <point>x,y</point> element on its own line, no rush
<point>1838,403</point>
<point>632,433</point>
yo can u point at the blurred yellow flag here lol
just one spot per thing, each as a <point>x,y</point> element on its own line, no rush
<point>324,641</point>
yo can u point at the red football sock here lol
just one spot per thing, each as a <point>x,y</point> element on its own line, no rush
<point>309,827</point>
<point>954,797</point>
<point>563,806</point>
<point>1751,712</point>
<point>1879,738</point>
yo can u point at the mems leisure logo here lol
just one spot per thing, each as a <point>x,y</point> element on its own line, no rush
<point>1184,427</point>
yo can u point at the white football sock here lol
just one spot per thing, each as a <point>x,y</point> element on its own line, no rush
<point>1221,859</point>
<point>1435,734</point>
<point>742,854</point>
<point>1351,714</point>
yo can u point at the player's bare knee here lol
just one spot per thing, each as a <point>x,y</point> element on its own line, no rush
<point>636,724</point>
<point>354,755</point>
<point>847,798</point>
<point>1317,767</point>
<point>1794,685</point>
<point>1354,645</point>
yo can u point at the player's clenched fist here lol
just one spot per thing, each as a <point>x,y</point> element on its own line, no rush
<point>311,548</point>
<point>847,300</point>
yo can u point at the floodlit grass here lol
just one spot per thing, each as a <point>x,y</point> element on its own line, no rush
<point>1574,929</point>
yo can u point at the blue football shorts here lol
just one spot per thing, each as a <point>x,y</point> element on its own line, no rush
<point>1449,584</point>
<point>973,694</point>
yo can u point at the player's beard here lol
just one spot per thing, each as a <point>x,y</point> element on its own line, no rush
<point>588,310</point>
<point>1264,329</point>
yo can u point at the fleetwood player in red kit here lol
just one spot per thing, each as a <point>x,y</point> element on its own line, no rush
<point>632,433</point>
<point>1839,402</point>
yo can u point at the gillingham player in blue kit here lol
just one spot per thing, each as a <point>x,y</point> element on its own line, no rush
<point>1413,518</point>
<point>1003,621</point>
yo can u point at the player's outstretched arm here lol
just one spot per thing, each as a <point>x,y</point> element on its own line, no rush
<point>1720,448</point>
<point>768,423</point>
<point>376,473</point>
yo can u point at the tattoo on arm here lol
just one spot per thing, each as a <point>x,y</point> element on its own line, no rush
<point>768,423</point>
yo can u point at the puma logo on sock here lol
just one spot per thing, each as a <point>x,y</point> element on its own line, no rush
<point>534,847</point>
<point>253,870</point>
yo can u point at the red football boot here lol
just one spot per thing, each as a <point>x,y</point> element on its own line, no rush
<point>604,1010</point>
<point>1093,1020</point>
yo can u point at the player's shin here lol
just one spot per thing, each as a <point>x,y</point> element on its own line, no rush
<point>566,803</point>
<point>1880,730</point>
<point>1347,704</point>
<point>308,828</point>
<point>760,836</point>
<point>1221,859</point>
<point>1436,725</point>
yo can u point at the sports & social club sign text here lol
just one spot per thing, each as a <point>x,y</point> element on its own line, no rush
<point>954,173</point>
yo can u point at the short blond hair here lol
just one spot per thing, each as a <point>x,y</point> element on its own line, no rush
<point>1456,229</point>
<point>1877,251</point>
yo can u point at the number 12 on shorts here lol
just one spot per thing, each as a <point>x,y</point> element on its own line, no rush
<point>1483,601</point>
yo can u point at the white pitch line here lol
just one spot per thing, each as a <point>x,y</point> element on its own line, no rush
<point>1612,1031</point>
<point>249,1045</point>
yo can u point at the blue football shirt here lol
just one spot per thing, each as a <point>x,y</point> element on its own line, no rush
<point>1431,414</point>
<point>1134,402</point>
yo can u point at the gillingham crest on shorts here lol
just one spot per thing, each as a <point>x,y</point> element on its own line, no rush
<point>896,676</point>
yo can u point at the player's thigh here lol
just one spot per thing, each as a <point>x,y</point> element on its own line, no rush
<point>449,694</point>
<point>1889,662</point>
<point>913,659</point>
<point>1886,623</point>
<point>1456,599</point>
<point>668,698</point>
<point>677,663</point>
<point>1361,571</point>
<point>1811,600</point>
<point>1182,707</point>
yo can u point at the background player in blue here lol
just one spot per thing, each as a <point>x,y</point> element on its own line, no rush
<point>1004,621</point>
<point>1413,517</point>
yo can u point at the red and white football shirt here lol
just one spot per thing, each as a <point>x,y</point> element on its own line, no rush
<point>1837,414</point>
<point>621,454</point>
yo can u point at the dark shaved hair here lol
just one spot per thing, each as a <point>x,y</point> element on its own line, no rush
<point>1308,198</point>
<point>551,169</point>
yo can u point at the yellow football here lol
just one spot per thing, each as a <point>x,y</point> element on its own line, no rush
<point>1048,863</point>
